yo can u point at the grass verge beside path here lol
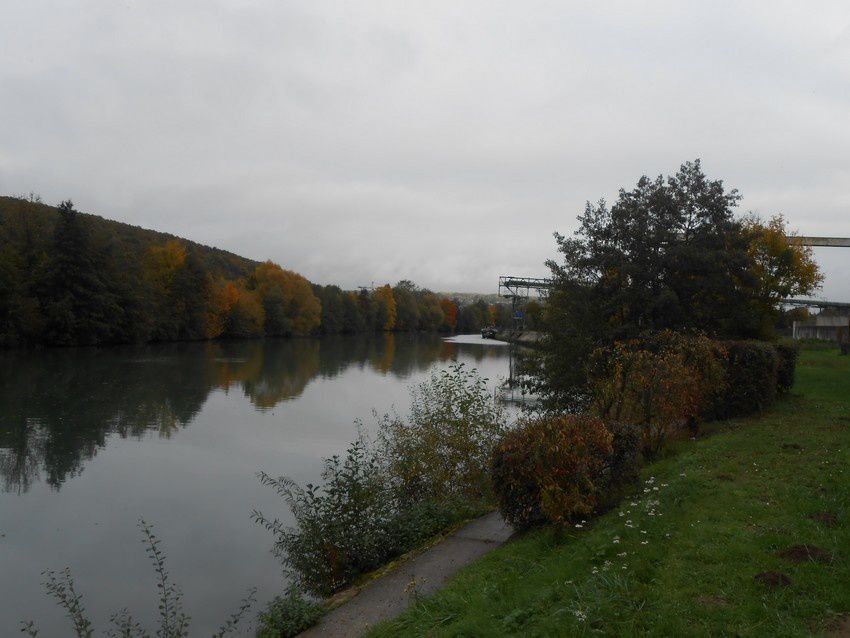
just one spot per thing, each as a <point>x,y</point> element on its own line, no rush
<point>681,556</point>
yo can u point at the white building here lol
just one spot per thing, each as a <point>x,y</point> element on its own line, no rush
<point>823,328</point>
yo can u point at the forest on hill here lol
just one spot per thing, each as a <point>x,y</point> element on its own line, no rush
<point>70,278</point>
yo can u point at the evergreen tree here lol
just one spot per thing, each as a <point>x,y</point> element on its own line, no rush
<point>80,308</point>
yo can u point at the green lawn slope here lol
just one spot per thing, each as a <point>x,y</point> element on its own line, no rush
<point>681,557</point>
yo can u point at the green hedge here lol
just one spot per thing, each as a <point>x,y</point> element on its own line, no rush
<point>559,468</point>
<point>788,354</point>
<point>625,463</point>
<point>752,378</point>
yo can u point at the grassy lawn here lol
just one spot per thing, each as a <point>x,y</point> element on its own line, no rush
<point>680,557</point>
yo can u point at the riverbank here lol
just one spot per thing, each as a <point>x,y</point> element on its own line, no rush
<point>744,531</point>
<point>528,338</point>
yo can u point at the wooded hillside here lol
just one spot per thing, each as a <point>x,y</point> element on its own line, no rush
<point>69,278</point>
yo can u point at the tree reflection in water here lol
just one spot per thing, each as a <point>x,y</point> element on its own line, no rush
<point>58,407</point>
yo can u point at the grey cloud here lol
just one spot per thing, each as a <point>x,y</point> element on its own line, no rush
<point>442,142</point>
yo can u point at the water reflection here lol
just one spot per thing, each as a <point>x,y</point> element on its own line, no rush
<point>58,407</point>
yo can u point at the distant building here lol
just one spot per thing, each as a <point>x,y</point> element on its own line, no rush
<point>825,328</point>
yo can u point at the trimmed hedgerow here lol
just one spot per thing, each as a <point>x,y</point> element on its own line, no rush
<point>787,369</point>
<point>552,469</point>
<point>659,382</point>
<point>555,469</point>
<point>625,462</point>
<point>752,373</point>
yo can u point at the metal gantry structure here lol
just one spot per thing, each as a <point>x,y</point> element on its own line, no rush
<point>519,290</point>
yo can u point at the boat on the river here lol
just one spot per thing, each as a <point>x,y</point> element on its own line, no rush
<point>488,332</point>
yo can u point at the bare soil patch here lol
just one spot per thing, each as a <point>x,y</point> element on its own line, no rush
<point>773,580</point>
<point>838,627</point>
<point>723,476</point>
<point>827,518</point>
<point>805,553</point>
<point>712,602</point>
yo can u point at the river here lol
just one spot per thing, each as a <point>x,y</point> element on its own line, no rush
<point>93,439</point>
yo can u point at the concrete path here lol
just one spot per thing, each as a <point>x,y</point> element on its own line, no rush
<point>390,595</point>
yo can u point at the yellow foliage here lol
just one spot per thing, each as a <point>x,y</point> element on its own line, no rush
<point>302,308</point>
<point>162,263</point>
<point>247,315</point>
<point>384,296</point>
<point>783,267</point>
<point>221,298</point>
<point>233,310</point>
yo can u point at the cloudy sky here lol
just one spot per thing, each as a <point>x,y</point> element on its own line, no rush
<point>438,141</point>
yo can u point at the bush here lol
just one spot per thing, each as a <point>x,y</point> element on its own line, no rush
<point>289,615</point>
<point>343,528</point>
<point>660,382</point>
<point>386,496</point>
<point>552,469</point>
<point>787,368</point>
<point>752,372</point>
<point>442,450</point>
<point>625,462</point>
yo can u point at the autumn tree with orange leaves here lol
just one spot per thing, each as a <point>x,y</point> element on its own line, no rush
<point>450,311</point>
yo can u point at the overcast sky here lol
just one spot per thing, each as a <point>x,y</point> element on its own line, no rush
<point>442,142</point>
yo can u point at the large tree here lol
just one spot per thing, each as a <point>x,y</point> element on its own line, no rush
<point>668,254</point>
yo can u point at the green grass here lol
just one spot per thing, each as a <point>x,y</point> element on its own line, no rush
<point>678,559</point>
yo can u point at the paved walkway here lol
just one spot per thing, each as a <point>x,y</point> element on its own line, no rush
<point>389,595</point>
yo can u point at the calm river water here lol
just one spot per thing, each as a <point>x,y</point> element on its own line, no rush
<point>93,439</point>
